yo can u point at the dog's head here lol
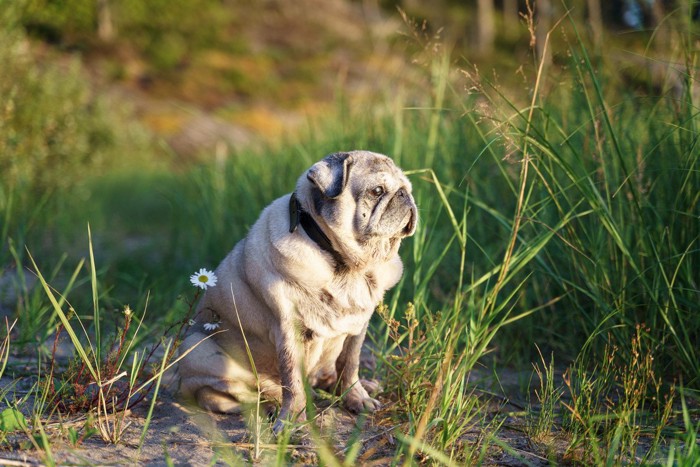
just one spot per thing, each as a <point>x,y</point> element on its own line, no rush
<point>363,203</point>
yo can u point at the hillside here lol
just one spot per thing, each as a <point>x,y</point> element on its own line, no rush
<point>265,68</point>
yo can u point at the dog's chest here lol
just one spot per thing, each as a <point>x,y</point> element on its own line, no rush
<point>343,306</point>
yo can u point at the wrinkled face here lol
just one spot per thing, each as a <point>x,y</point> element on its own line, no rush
<point>384,205</point>
<point>363,195</point>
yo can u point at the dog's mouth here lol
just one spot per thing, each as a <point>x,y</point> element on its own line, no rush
<point>396,223</point>
<point>410,226</point>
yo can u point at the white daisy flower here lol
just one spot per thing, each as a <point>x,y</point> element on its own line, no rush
<point>210,326</point>
<point>203,279</point>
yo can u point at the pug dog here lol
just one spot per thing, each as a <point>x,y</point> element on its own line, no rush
<point>295,296</point>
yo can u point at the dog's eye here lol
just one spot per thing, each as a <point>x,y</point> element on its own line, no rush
<point>378,191</point>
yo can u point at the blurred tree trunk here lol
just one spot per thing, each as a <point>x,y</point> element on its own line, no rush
<point>655,10</point>
<point>105,26</point>
<point>486,26</point>
<point>657,16</point>
<point>510,15</point>
<point>543,12</point>
<point>595,19</point>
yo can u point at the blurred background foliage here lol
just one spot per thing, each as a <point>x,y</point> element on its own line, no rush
<point>266,65</point>
<point>263,68</point>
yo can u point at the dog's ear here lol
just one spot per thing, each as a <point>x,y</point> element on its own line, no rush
<point>330,175</point>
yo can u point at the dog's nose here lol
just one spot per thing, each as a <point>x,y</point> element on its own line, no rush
<point>402,192</point>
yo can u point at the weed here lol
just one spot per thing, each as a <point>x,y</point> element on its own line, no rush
<point>83,431</point>
<point>611,406</point>
<point>96,381</point>
<point>541,421</point>
<point>684,449</point>
<point>5,345</point>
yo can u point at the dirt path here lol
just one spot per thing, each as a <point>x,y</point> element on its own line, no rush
<point>187,436</point>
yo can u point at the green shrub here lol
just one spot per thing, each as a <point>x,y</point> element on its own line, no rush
<point>55,133</point>
<point>70,21</point>
<point>167,31</point>
<point>53,129</point>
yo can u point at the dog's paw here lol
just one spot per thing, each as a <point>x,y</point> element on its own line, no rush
<point>365,404</point>
<point>372,386</point>
<point>278,426</point>
<point>289,419</point>
<point>357,400</point>
<point>324,379</point>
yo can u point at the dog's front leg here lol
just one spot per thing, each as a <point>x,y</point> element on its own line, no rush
<point>348,367</point>
<point>289,360</point>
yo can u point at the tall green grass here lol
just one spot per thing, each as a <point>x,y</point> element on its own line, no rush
<point>625,172</point>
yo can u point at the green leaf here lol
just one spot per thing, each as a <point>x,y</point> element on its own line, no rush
<point>12,420</point>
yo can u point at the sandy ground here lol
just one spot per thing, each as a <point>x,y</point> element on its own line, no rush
<point>185,435</point>
<point>178,434</point>
<point>182,435</point>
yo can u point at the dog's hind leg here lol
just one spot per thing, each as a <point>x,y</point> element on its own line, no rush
<point>213,378</point>
<point>217,401</point>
